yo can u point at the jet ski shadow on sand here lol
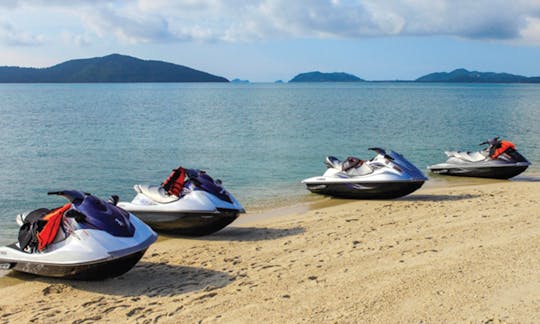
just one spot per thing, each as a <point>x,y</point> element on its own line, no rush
<point>499,160</point>
<point>189,202</point>
<point>387,175</point>
<point>87,239</point>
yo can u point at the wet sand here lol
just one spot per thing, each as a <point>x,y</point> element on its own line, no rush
<point>469,252</point>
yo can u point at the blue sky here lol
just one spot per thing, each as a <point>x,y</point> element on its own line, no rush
<point>267,40</point>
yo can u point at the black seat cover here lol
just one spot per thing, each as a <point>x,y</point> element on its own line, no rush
<point>33,223</point>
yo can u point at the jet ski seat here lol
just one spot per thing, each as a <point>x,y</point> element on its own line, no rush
<point>467,156</point>
<point>155,193</point>
<point>363,169</point>
<point>352,166</point>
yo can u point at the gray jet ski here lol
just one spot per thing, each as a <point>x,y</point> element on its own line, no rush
<point>480,164</point>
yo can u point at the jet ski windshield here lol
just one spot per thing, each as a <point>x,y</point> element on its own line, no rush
<point>205,182</point>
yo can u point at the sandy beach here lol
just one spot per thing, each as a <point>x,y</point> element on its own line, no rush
<point>450,254</point>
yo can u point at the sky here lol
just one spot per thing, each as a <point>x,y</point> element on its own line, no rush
<point>269,40</point>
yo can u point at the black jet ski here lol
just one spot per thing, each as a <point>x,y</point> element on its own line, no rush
<point>499,160</point>
<point>88,239</point>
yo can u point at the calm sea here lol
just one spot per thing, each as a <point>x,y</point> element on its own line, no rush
<point>260,139</point>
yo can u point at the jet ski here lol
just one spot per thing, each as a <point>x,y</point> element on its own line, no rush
<point>499,160</point>
<point>86,239</point>
<point>387,175</point>
<point>189,202</point>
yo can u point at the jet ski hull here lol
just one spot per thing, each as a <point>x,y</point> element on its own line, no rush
<point>365,190</point>
<point>188,223</point>
<point>197,213</point>
<point>495,172</point>
<point>98,270</point>
<point>106,265</point>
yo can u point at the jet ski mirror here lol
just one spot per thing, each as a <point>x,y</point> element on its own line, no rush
<point>74,196</point>
<point>492,141</point>
<point>114,199</point>
<point>192,173</point>
<point>79,217</point>
<point>378,150</point>
<point>382,152</point>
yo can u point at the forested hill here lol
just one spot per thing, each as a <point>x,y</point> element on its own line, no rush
<point>462,75</point>
<point>110,68</point>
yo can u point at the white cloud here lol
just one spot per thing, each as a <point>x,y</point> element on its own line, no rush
<point>76,39</point>
<point>129,27</point>
<point>142,21</point>
<point>531,31</point>
<point>12,36</point>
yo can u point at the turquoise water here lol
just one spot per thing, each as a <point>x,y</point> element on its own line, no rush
<point>260,139</point>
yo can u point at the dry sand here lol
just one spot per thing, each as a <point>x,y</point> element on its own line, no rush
<point>452,254</point>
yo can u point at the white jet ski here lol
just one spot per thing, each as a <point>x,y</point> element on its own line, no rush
<point>87,239</point>
<point>188,203</point>
<point>387,175</point>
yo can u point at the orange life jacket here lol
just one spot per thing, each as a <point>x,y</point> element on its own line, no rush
<point>49,231</point>
<point>175,182</point>
<point>503,146</point>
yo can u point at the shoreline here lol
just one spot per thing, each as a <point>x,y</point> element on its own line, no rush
<point>311,202</point>
<point>285,205</point>
<point>450,253</point>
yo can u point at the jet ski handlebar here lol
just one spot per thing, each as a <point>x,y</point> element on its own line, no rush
<point>74,196</point>
<point>378,150</point>
<point>491,141</point>
<point>382,152</point>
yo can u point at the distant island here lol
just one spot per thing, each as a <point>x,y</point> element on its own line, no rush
<point>465,76</point>
<point>325,77</point>
<point>239,81</point>
<point>110,68</point>
<point>123,68</point>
